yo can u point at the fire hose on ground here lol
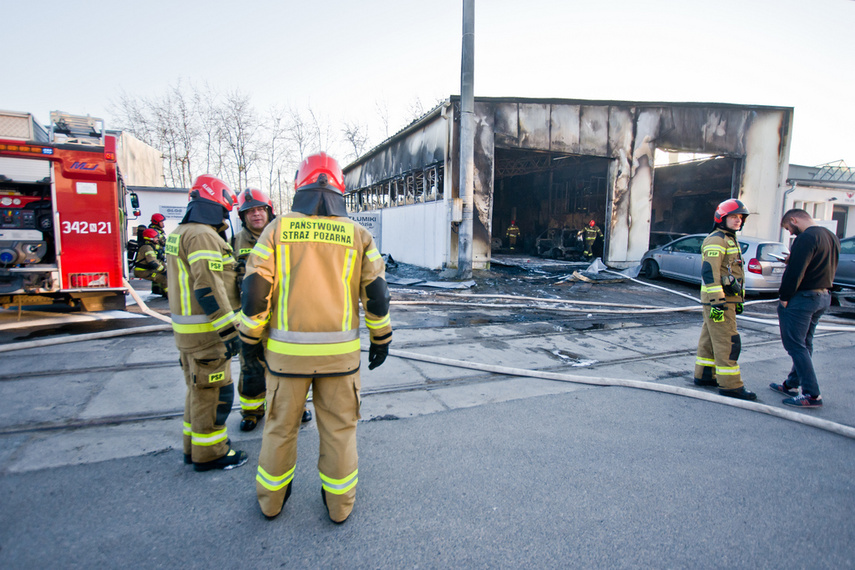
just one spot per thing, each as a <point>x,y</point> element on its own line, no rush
<point>833,427</point>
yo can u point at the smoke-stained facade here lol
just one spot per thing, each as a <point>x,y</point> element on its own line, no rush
<point>553,164</point>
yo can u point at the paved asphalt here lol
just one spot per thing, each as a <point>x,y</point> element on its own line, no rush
<point>599,477</point>
<point>478,472</point>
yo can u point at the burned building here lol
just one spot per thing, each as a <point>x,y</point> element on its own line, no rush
<point>552,165</point>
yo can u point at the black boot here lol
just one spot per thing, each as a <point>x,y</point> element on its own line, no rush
<point>234,458</point>
<point>740,393</point>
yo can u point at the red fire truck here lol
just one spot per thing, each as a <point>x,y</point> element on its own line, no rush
<point>62,213</point>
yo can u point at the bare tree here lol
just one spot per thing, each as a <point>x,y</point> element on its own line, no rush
<point>167,123</point>
<point>239,125</point>
<point>381,106</point>
<point>277,156</point>
<point>415,109</point>
<point>321,130</point>
<point>356,136</point>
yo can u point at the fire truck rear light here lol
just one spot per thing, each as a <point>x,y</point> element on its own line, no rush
<point>754,266</point>
<point>81,280</point>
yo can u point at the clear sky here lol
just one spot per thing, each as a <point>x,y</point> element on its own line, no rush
<point>343,57</point>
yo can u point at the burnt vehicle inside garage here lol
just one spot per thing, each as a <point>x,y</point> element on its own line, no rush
<point>550,197</point>
<point>686,195</point>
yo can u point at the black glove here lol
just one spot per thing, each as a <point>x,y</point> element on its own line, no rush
<point>717,313</point>
<point>739,308</point>
<point>232,346</point>
<point>377,354</point>
<point>253,356</point>
<point>731,285</point>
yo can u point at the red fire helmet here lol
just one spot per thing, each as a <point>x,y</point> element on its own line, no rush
<point>253,198</point>
<point>211,188</point>
<point>319,171</point>
<point>728,207</point>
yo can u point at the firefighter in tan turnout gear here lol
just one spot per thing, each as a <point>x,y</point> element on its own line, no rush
<point>255,209</point>
<point>304,281</point>
<point>203,300</point>
<point>147,264</point>
<point>722,294</point>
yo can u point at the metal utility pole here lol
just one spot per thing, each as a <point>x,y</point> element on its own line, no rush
<point>467,141</point>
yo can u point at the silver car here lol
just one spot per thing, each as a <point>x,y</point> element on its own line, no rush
<point>681,259</point>
<point>845,276</point>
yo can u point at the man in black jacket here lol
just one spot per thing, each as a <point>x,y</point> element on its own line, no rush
<point>804,297</point>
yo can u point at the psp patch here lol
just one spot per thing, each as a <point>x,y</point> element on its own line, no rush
<point>216,377</point>
<point>215,265</point>
<point>316,231</point>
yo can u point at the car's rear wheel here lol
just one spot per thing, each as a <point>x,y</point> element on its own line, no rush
<point>650,269</point>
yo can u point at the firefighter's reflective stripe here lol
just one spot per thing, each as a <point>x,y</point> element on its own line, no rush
<point>711,289</point>
<point>228,259</point>
<point>346,275</point>
<point>190,324</point>
<point>379,324</point>
<point>205,254</point>
<point>372,255</point>
<point>188,429</point>
<point>224,321</point>
<point>704,362</point>
<point>296,337</point>
<point>212,438</point>
<point>273,482</point>
<point>727,370</point>
<point>732,250</point>
<point>261,251</point>
<point>183,288</point>
<point>283,264</point>
<point>250,322</point>
<point>251,403</point>
<point>713,247</point>
<point>293,343</point>
<point>339,486</point>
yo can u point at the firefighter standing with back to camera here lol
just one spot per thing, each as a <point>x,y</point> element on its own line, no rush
<point>304,280</point>
<point>722,295</point>
<point>255,209</point>
<point>203,300</point>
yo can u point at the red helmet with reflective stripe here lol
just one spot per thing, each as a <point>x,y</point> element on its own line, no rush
<point>150,234</point>
<point>157,219</point>
<point>592,223</point>
<point>213,189</point>
<point>728,207</point>
<point>319,171</point>
<point>253,198</point>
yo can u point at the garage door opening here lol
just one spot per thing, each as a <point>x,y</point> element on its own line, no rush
<point>550,197</point>
<point>686,194</point>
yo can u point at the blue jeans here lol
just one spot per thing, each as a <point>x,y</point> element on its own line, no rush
<point>797,322</point>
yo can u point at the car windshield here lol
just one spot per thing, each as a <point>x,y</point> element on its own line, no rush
<point>765,251</point>
<point>847,246</point>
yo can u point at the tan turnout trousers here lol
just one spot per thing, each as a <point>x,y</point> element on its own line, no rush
<point>718,350</point>
<point>210,393</point>
<point>336,400</point>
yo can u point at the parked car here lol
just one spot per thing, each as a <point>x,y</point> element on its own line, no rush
<point>845,276</point>
<point>681,259</point>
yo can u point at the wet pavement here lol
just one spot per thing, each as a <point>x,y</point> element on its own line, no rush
<point>460,467</point>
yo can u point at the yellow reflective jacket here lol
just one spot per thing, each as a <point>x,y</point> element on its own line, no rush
<point>304,280</point>
<point>245,240</point>
<point>721,256</point>
<point>147,263</point>
<point>203,295</point>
